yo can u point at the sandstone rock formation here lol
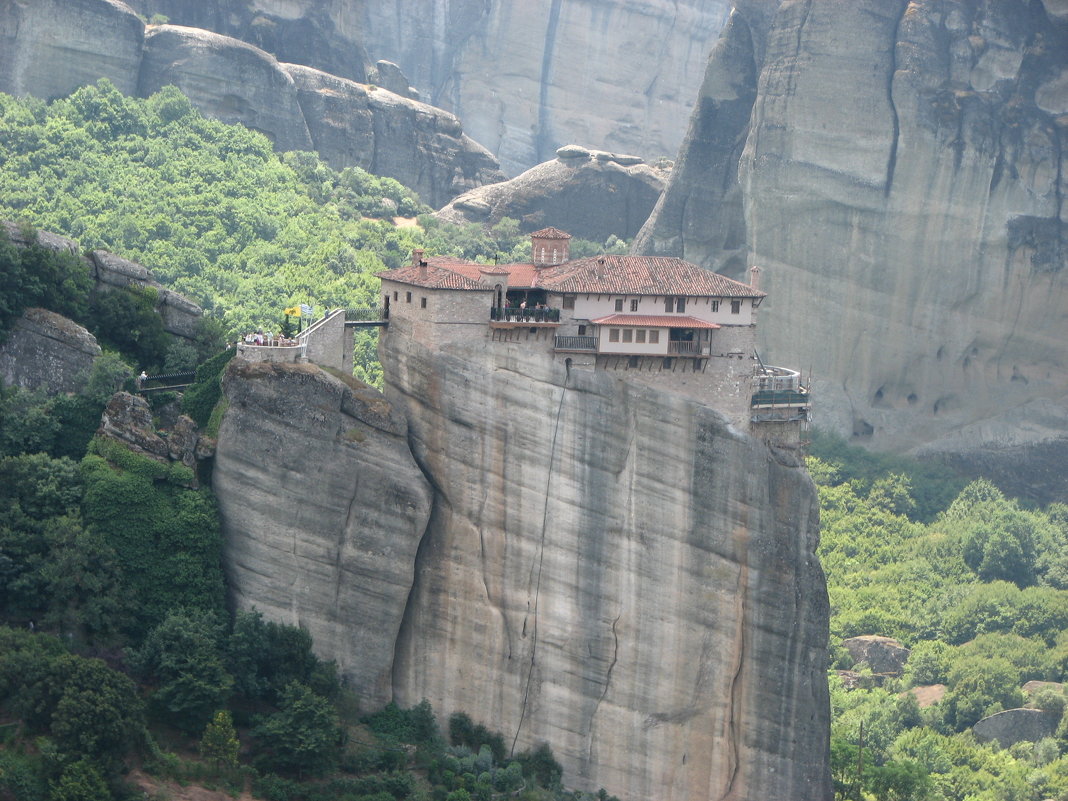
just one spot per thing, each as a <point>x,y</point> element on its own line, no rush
<point>350,124</point>
<point>47,351</point>
<point>425,148</point>
<point>128,419</point>
<point>620,75</point>
<point>527,78</point>
<point>323,509</point>
<point>180,314</point>
<point>1016,725</point>
<point>897,170</point>
<point>615,570</point>
<point>591,194</point>
<point>48,49</point>
<point>883,655</point>
<point>225,79</point>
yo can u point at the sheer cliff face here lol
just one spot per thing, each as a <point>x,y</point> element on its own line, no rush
<point>527,78</point>
<point>897,169</point>
<point>614,570</point>
<point>323,509</point>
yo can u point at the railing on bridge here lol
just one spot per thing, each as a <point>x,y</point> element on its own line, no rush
<point>509,315</point>
<point>166,381</point>
<point>779,386</point>
<point>575,343</point>
<point>365,315</point>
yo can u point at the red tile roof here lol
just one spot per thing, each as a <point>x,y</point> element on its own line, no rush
<point>641,275</point>
<point>653,321</point>
<point>551,233</point>
<point>605,275</point>
<point>433,276</point>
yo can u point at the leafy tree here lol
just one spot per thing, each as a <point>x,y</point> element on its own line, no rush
<point>978,688</point>
<point>80,781</point>
<point>127,319</point>
<point>183,658</point>
<point>219,745</point>
<point>303,736</point>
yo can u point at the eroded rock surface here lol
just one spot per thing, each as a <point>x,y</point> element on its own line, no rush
<point>1016,725</point>
<point>235,81</point>
<point>322,509</point>
<point>881,654</point>
<point>48,48</point>
<point>897,170</point>
<point>591,194</point>
<point>45,350</point>
<point>615,570</point>
<point>357,125</point>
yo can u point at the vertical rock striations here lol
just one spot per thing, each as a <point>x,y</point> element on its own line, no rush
<point>614,570</point>
<point>322,509</point>
<point>902,182</point>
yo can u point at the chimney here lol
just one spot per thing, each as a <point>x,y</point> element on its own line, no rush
<point>754,277</point>
<point>417,257</point>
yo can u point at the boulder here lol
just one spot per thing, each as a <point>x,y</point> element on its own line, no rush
<point>227,80</point>
<point>48,48</point>
<point>47,351</point>
<point>128,419</point>
<point>389,76</point>
<point>1016,725</point>
<point>882,654</point>
<point>590,193</point>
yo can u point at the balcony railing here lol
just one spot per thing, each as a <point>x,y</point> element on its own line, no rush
<point>691,348</point>
<point>509,315</point>
<point>575,343</point>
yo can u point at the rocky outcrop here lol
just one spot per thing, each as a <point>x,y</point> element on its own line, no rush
<point>227,80</point>
<point>357,125</point>
<point>322,509</point>
<point>620,75</point>
<point>47,351</point>
<point>50,47</point>
<point>231,80</point>
<point>128,419</point>
<point>884,655</point>
<point>180,315</point>
<point>592,194</point>
<point>323,34</point>
<point>897,170</point>
<point>615,570</point>
<point>1016,725</point>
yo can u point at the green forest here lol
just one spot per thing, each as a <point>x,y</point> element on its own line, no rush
<point>117,653</point>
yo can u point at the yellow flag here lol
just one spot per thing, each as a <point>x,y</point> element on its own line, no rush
<point>292,311</point>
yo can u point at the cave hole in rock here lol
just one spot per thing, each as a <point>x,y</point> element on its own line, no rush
<point>862,429</point>
<point>912,399</point>
<point>940,353</point>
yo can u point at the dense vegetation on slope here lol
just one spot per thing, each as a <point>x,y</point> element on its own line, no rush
<point>214,212</point>
<point>978,589</point>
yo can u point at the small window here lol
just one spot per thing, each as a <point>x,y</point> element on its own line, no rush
<point>569,301</point>
<point>654,337</point>
<point>736,307</point>
<point>634,305</point>
<point>619,304</point>
<point>628,334</point>
<point>639,335</point>
<point>680,304</point>
<point>422,303</point>
<point>633,361</point>
<point>669,305</point>
<point>394,295</point>
<point>715,305</point>
<point>408,297</point>
<point>582,331</point>
<point>667,363</point>
<point>613,335</point>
